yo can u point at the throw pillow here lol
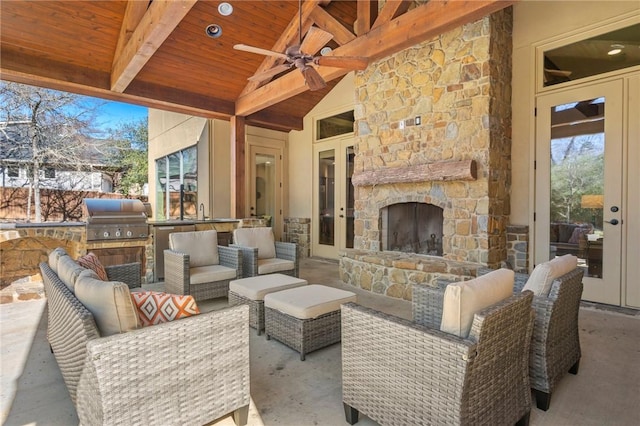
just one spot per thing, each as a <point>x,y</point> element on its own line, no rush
<point>155,307</point>
<point>463,299</point>
<point>577,234</point>
<point>545,273</point>
<point>90,261</point>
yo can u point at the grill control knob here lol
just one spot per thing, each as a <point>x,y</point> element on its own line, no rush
<point>118,233</point>
<point>129,233</point>
<point>105,234</point>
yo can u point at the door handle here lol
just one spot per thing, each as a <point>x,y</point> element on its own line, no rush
<point>612,221</point>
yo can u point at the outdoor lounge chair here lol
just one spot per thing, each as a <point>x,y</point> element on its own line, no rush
<point>195,264</point>
<point>555,348</point>
<point>401,372</point>
<point>262,255</point>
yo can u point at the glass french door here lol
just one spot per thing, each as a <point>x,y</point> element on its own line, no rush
<point>265,193</point>
<point>579,177</point>
<point>333,219</point>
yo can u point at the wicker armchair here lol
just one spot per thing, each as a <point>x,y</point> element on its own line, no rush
<point>128,273</point>
<point>403,373</point>
<point>262,255</point>
<point>555,346</point>
<point>195,264</point>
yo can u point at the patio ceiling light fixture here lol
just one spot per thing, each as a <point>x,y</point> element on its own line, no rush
<point>616,49</point>
<point>225,9</point>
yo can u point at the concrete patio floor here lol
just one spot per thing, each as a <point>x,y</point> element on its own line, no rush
<point>286,391</point>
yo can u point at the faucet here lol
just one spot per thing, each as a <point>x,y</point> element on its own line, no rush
<point>202,210</point>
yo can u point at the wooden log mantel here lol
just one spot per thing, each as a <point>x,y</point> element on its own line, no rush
<point>439,171</point>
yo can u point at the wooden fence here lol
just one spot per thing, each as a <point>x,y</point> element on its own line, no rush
<point>56,205</point>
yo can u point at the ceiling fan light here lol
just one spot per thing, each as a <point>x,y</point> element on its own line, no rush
<point>225,9</point>
<point>325,50</point>
<point>616,49</point>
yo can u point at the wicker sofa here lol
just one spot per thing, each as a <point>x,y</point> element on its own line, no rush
<point>189,371</point>
<point>555,346</point>
<point>400,372</point>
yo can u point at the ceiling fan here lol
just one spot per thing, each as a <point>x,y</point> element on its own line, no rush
<point>301,56</point>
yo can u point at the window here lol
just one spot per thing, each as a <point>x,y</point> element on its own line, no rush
<point>49,173</point>
<point>13,171</point>
<point>608,52</point>
<point>176,176</point>
<point>335,125</point>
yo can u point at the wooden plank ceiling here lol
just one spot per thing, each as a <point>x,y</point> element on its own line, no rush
<point>157,53</point>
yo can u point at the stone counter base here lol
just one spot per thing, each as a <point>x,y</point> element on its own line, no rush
<point>393,273</point>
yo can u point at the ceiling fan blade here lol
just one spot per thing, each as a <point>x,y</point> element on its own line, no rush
<point>265,75</point>
<point>351,62</point>
<point>315,40</point>
<point>559,73</point>
<point>313,78</point>
<point>259,51</point>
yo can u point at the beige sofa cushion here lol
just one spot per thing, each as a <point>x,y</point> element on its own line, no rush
<point>68,271</point>
<point>463,299</point>
<point>261,237</point>
<point>308,301</point>
<point>109,302</point>
<point>201,246</point>
<point>54,257</point>
<point>545,273</point>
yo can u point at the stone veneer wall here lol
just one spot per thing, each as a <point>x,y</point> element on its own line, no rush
<point>517,245</point>
<point>460,85</point>
<point>298,230</point>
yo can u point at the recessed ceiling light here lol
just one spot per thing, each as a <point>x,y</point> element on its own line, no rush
<point>213,30</point>
<point>225,9</point>
<point>616,49</point>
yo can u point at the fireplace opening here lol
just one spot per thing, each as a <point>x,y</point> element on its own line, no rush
<point>412,228</point>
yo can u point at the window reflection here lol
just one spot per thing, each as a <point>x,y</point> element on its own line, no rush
<point>577,182</point>
<point>177,174</point>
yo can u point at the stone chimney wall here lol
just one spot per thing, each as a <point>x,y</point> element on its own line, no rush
<point>459,84</point>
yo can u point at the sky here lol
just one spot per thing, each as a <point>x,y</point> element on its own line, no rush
<point>110,114</point>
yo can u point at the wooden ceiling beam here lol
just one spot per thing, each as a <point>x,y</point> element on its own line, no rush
<point>132,16</point>
<point>367,11</point>
<point>275,121</point>
<point>409,29</point>
<point>325,21</point>
<point>288,37</point>
<point>391,10</point>
<point>158,22</point>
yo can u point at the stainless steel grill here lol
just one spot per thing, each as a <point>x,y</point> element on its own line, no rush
<point>115,219</point>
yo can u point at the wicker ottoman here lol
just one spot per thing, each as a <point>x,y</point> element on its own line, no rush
<point>251,291</point>
<point>305,318</point>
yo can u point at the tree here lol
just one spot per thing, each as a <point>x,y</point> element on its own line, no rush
<point>55,129</point>
<point>130,162</point>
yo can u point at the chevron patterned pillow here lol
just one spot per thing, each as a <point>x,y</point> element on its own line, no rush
<point>156,307</point>
<point>90,261</point>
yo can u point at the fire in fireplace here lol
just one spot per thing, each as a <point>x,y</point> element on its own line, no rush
<point>412,228</point>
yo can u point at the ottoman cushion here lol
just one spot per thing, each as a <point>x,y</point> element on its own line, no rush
<point>255,288</point>
<point>309,301</point>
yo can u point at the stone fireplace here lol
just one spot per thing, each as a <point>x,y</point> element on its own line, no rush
<point>456,159</point>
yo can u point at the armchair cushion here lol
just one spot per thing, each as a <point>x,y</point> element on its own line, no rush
<point>91,261</point>
<point>108,301</point>
<point>211,273</point>
<point>201,246</point>
<point>270,266</point>
<point>542,277</point>
<point>261,237</point>
<point>158,307</point>
<point>55,256</point>
<point>463,299</point>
